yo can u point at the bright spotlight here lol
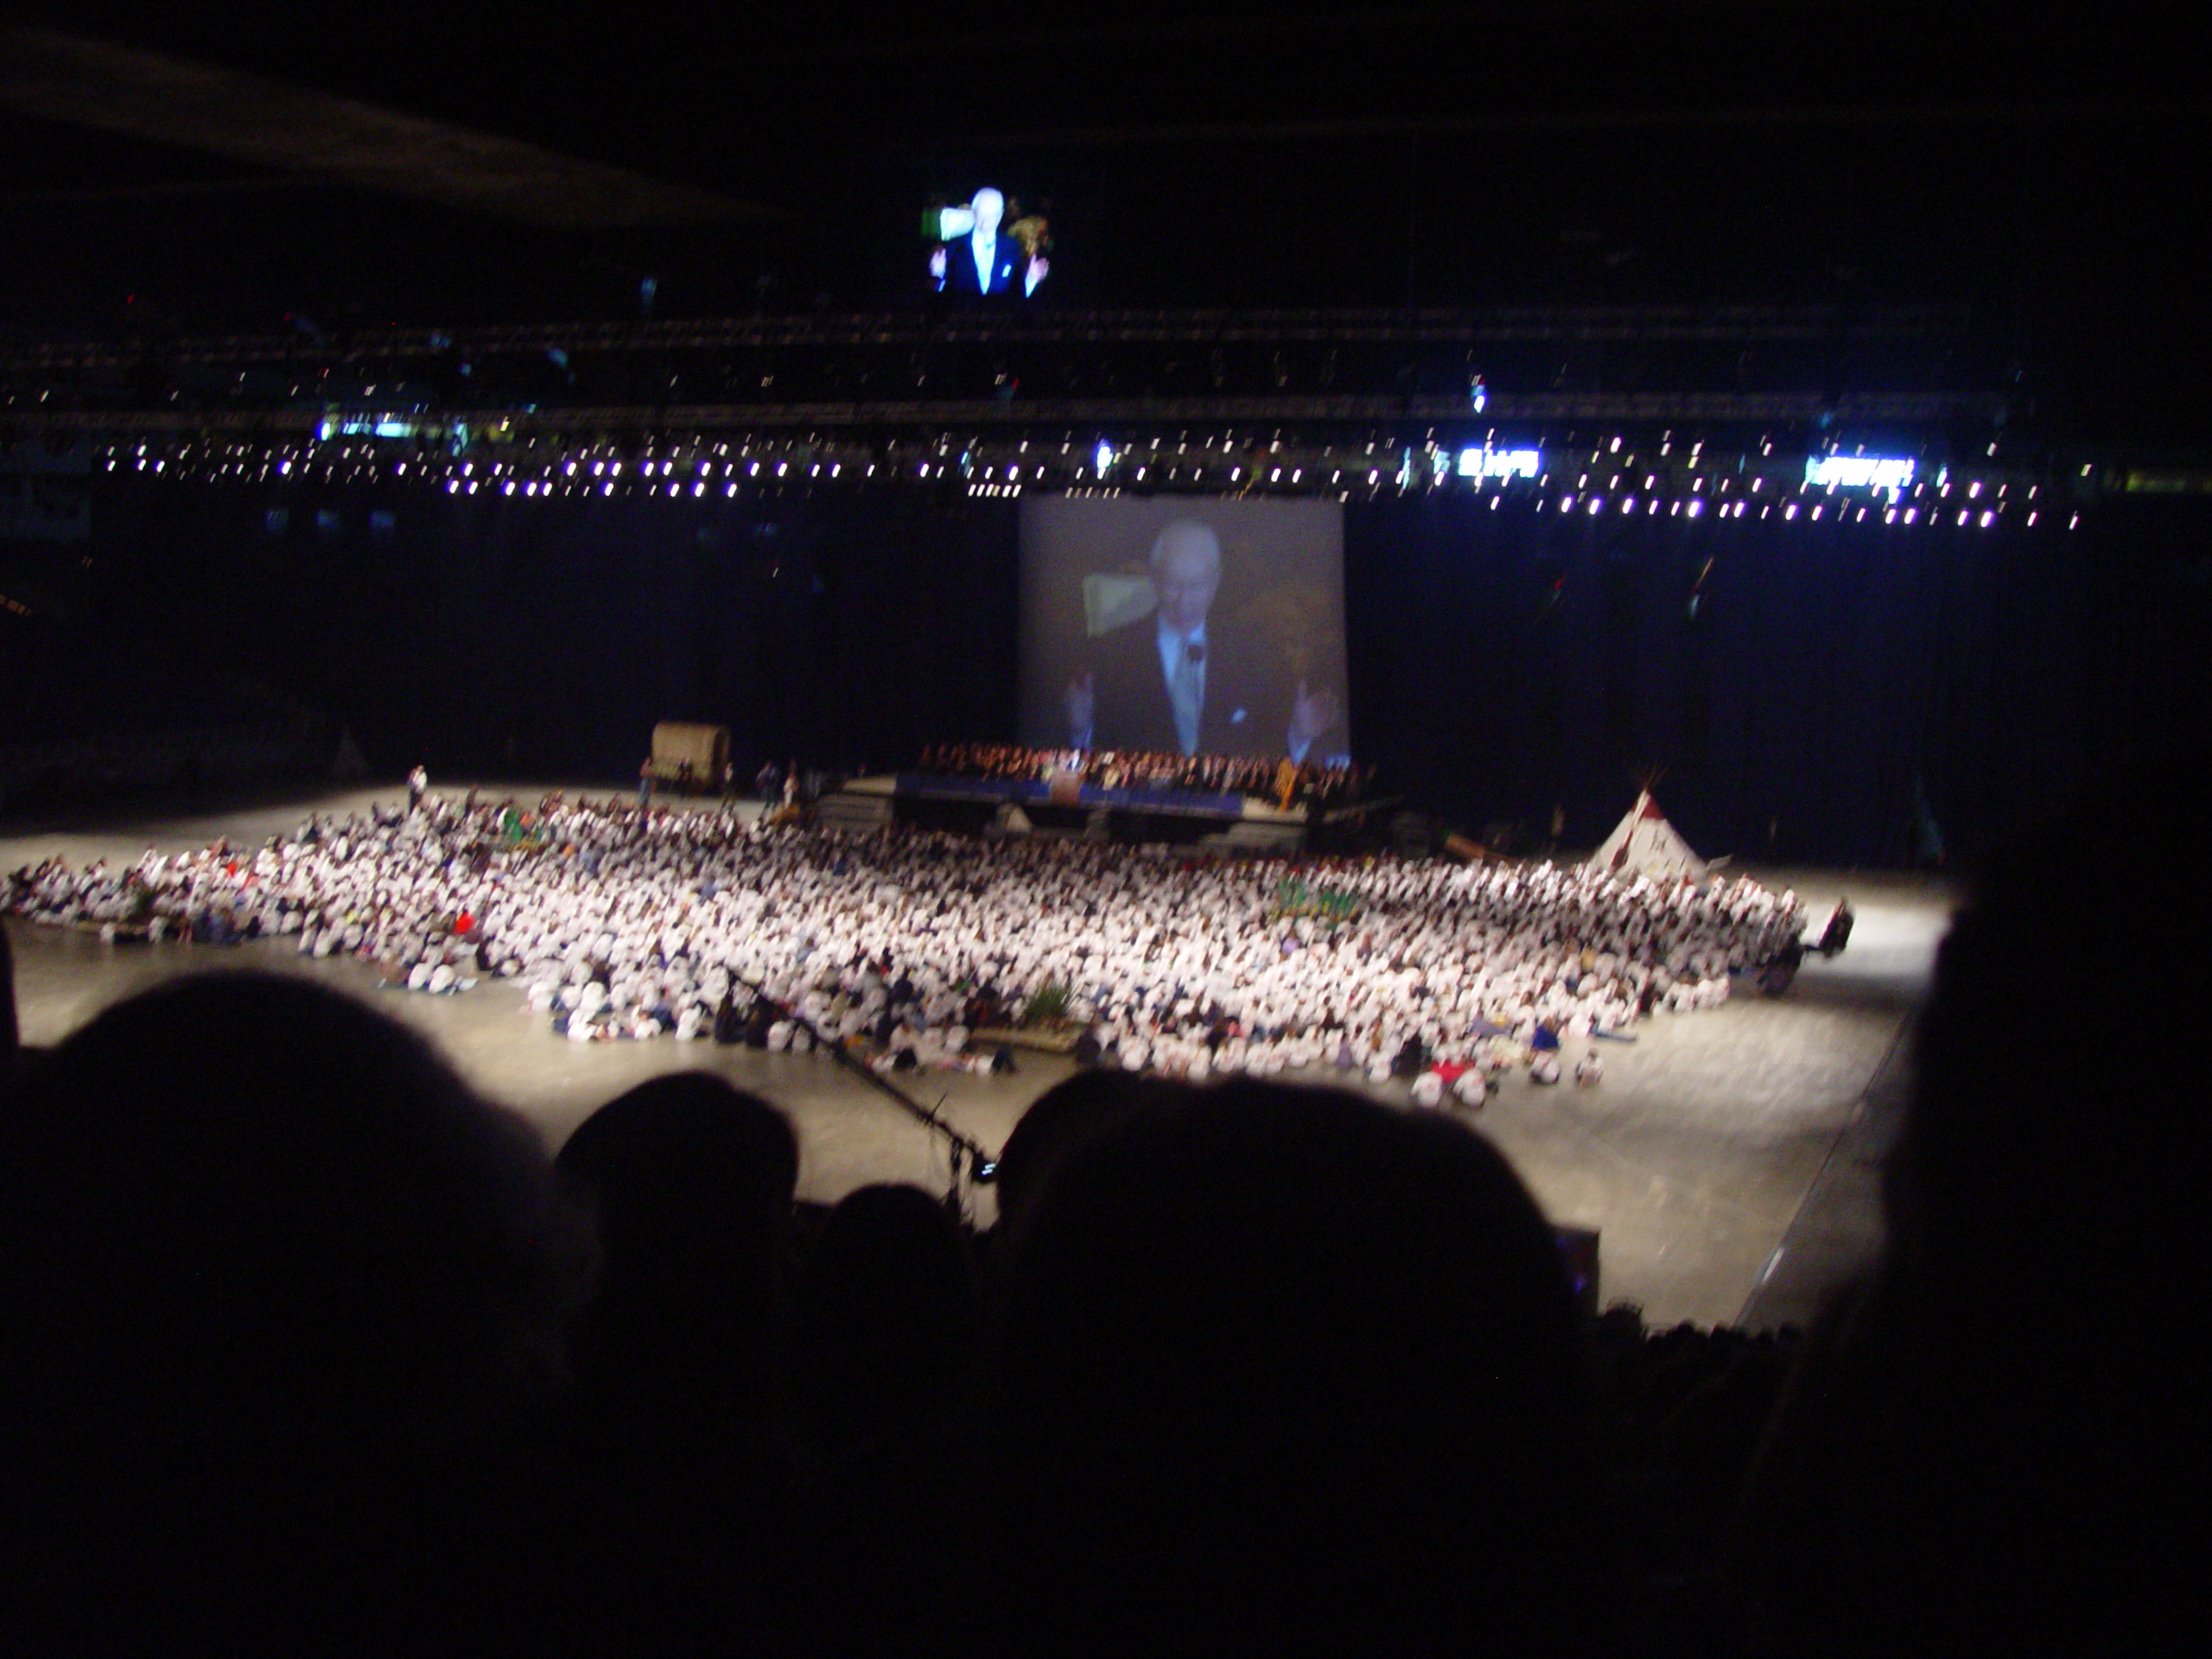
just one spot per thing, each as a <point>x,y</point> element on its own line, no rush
<point>1858,471</point>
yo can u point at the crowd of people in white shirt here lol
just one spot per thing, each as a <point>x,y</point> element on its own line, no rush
<point>618,921</point>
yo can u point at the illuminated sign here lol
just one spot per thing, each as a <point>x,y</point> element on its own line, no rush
<point>378,426</point>
<point>1857,472</point>
<point>1500,463</point>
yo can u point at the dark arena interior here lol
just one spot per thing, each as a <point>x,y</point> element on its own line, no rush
<point>1216,828</point>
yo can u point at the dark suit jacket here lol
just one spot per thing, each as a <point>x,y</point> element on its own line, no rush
<point>1247,707</point>
<point>1008,264</point>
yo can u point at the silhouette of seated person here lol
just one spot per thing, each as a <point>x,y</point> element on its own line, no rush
<point>886,1321</point>
<point>1069,1115</point>
<point>1980,1448</point>
<point>689,1183</point>
<point>1282,1369</point>
<point>882,1350</point>
<point>283,1301</point>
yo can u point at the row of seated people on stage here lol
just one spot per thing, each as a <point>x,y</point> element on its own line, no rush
<point>1259,778</point>
<point>313,1349</point>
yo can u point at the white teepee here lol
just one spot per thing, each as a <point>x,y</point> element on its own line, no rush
<point>1644,843</point>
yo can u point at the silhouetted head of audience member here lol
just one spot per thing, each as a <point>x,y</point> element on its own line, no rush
<point>1982,1452</point>
<point>284,1302</point>
<point>2043,1171</point>
<point>1073,1112</point>
<point>885,1324</point>
<point>1283,1368</point>
<point>691,1184</point>
<point>2041,1196</point>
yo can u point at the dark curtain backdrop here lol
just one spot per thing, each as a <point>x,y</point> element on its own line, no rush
<point>543,639</point>
<point>1502,660</point>
<point>1505,661</point>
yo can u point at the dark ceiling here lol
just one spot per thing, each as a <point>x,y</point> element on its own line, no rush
<point>240,167</point>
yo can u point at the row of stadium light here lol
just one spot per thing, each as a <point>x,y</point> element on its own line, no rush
<point>1612,479</point>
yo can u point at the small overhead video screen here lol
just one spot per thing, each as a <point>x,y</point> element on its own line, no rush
<point>993,243</point>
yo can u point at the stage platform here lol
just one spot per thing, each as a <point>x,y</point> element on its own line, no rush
<point>1037,806</point>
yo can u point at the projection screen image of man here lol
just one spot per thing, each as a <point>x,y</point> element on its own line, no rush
<point>981,256</point>
<point>1196,627</point>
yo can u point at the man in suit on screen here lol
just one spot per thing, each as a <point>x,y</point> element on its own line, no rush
<point>1173,684</point>
<point>987,260</point>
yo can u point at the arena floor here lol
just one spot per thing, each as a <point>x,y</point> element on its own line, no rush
<point>1728,1160</point>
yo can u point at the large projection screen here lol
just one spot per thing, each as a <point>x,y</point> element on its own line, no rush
<point>1202,625</point>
